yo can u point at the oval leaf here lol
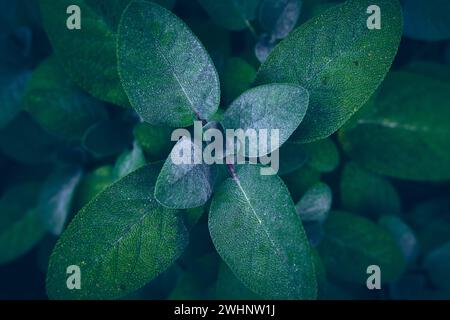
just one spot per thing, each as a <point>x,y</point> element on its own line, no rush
<point>405,134</point>
<point>279,16</point>
<point>121,240</point>
<point>315,204</point>
<point>338,60</point>
<point>270,107</point>
<point>165,70</point>
<point>255,229</point>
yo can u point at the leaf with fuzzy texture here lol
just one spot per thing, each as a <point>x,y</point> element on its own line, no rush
<point>121,241</point>
<point>269,107</point>
<point>338,60</point>
<point>165,70</point>
<point>255,229</point>
<point>315,203</point>
<point>185,185</point>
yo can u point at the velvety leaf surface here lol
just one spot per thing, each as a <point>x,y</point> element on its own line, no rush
<point>89,54</point>
<point>229,287</point>
<point>368,194</point>
<point>186,185</point>
<point>231,14</point>
<point>338,60</point>
<point>352,243</point>
<point>121,240</point>
<point>255,229</point>
<point>165,70</point>
<point>406,133</point>
<point>20,227</point>
<point>58,105</point>
<point>275,106</point>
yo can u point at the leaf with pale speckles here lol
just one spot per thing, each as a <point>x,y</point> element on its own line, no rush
<point>255,229</point>
<point>121,241</point>
<point>165,70</point>
<point>338,60</point>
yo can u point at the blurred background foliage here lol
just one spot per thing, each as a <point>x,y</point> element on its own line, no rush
<point>60,146</point>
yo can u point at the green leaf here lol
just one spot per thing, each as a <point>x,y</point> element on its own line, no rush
<point>403,235</point>
<point>107,138</point>
<point>129,161</point>
<point>353,243</point>
<point>92,184</point>
<point>368,194</point>
<point>12,87</point>
<point>255,229</point>
<point>88,55</point>
<point>185,185</point>
<point>431,219</point>
<point>427,20</point>
<point>323,155</point>
<point>315,203</point>
<point>165,70</point>
<point>25,141</point>
<point>270,107</point>
<point>405,134</point>
<point>231,14</point>
<point>155,141</point>
<point>56,198</point>
<point>338,60</point>
<point>292,157</point>
<point>430,69</point>
<point>437,264</point>
<point>58,105</point>
<point>20,227</point>
<point>301,180</point>
<point>121,241</point>
<point>279,17</point>
<point>237,77</point>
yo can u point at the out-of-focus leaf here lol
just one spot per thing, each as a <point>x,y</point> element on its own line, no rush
<point>426,20</point>
<point>56,198</point>
<point>121,241</point>
<point>20,227</point>
<point>155,141</point>
<point>331,53</point>
<point>25,141</point>
<point>270,107</point>
<point>430,69</point>
<point>352,243</point>
<point>177,82</point>
<point>301,180</point>
<point>12,87</point>
<point>323,155</point>
<point>255,229</point>
<point>91,185</point>
<point>368,194</point>
<point>403,235</point>
<point>88,55</point>
<point>431,219</point>
<point>188,184</point>
<point>107,138</point>
<point>264,46</point>
<point>129,161</point>
<point>437,264</point>
<point>237,77</point>
<point>292,157</point>
<point>58,105</point>
<point>232,14</point>
<point>228,287</point>
<point>405,134</point>
<point>15,48</point>
<point>279,17</point>
<point>315,203</point>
